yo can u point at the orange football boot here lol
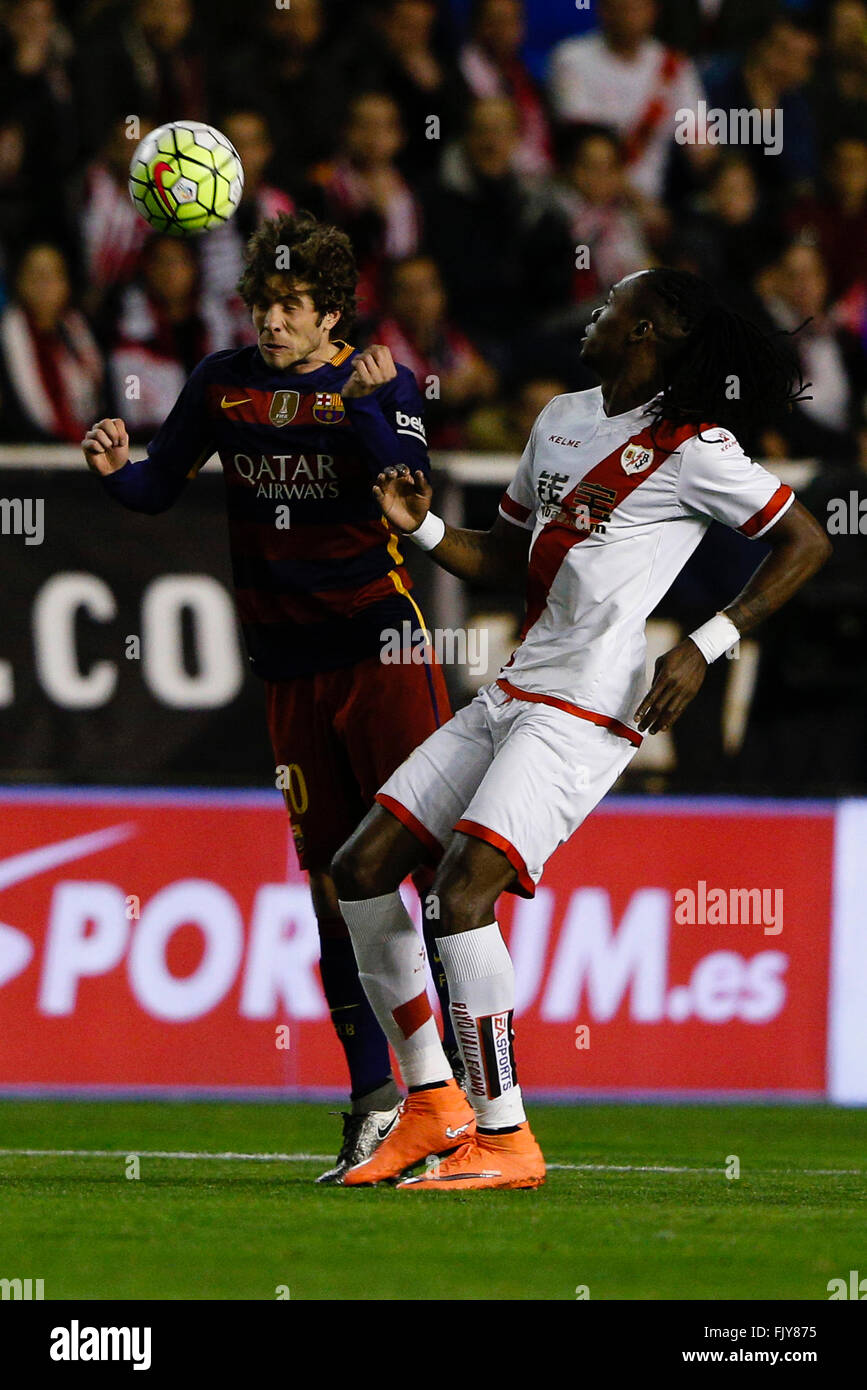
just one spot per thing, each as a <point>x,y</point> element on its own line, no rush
<point>485,1160</point>
<point>431,1121</point>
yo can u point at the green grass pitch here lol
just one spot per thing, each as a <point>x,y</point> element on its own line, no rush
<point>637,1206</point>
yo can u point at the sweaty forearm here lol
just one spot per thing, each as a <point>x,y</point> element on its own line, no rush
<point>775,581</point>
<point>477,557</point>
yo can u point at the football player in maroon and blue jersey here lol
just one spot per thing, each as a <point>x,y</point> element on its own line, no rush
<point>303,423</point>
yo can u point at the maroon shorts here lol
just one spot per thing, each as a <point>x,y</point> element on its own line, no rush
<point>339,735</point>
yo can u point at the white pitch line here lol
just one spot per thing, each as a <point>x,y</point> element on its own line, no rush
<point>162,1153</point>
<point>659,1168</point>
<point>625,1168</point>
<point>323,1158</point>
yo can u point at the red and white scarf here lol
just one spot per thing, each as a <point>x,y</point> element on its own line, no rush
<point>56,376</point>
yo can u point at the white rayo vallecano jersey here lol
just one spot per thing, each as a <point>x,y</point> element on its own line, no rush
<point>615,516</point>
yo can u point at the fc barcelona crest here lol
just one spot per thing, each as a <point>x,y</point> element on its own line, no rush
<point>635,458</point>
<point>328,408</point>
<point>284,407</point>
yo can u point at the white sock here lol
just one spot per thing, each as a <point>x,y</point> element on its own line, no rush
<point>391,966</point>
<point>482,992</point>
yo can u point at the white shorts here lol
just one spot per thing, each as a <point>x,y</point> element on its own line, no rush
<point>521,776</point>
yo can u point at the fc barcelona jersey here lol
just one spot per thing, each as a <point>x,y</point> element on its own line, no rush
<point>318,572</point>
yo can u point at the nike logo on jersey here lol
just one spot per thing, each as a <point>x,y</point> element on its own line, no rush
<point>227,405</point>
<point>453,1133</point>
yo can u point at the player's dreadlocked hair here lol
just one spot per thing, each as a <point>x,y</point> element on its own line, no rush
<point>718,367</point>
<point>307,251</point>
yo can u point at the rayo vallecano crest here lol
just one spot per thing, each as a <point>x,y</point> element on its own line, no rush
<point>284,407</point>
<point>635,458</point>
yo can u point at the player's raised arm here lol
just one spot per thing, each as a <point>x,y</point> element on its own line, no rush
<point>178,449</point>
<point>497,557</point>
<point>386,410</point>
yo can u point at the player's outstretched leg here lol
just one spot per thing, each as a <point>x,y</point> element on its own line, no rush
<point>391,964</point>
<point>435,1119</point>
<point>501,1151</point>
<point>374,1097</point>
<point>423,879</point>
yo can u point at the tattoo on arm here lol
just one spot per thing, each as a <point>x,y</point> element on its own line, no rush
<point>748,611</point>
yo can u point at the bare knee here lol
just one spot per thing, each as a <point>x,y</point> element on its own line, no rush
<point>466,888</point>
<point>375,859</point>
<point>355,871</point>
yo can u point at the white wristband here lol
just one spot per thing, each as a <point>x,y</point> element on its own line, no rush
<point>430,533</point>
<point>715,637</point>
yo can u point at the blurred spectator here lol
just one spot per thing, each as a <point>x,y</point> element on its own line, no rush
<point>160,334</point>
<point>850,315</point>
<point>286,71</point>
<point>594,196</point>
<point>773,77</point>
<point>625,78</point>
<point>18,217</point>
<point>503,245</point>
<point>50,366</point>
<point>491,66</point>
<point>728,236</point>
<point>400,56</point>
<point>839,92</point>
<point>837,219</point>
<point>452,376</point>
<point>713,26</point>
<point>222,250</point>
<point>111,231</point>
<point>36,93</point>
<point>364,192</point>
<point>504,426</point>
<point>144,58</point>
<point>792,290</point>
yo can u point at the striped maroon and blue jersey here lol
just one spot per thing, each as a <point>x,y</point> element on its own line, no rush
<point>316,567</point>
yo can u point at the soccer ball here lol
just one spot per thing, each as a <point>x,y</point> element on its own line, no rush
<point>185,177</point>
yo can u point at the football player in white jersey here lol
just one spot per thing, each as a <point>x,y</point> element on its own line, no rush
<point>614,491</point>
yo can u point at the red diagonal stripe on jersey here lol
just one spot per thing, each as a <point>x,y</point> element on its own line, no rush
<point>557,539</point>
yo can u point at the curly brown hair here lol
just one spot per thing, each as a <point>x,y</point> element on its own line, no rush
<point>319,256</point>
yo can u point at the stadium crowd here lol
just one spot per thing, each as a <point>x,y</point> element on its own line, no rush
<point>497,165</point>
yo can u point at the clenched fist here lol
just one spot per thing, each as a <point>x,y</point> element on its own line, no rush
<point>106,446</point>
<point>370,369</point>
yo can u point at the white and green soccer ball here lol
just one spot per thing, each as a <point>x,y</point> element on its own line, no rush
<point>185,177</point>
